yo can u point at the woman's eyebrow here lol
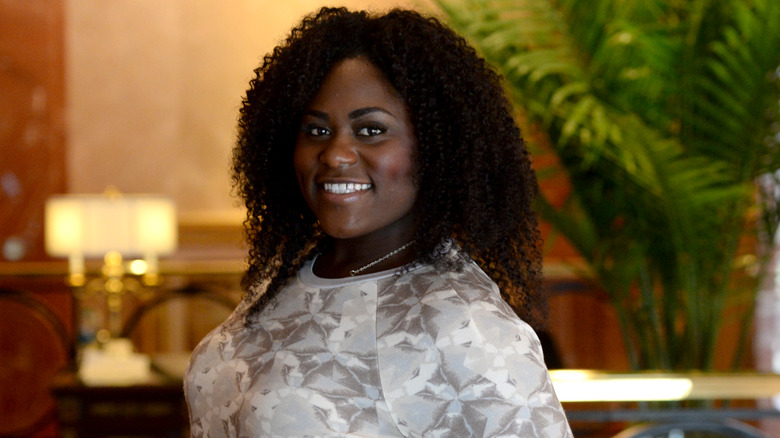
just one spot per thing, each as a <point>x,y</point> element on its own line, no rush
<point>318,114</point>
<point>360,112</point>
<point>354,114</point>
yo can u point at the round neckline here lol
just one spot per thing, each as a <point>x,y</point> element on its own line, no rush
<point>307,276</point>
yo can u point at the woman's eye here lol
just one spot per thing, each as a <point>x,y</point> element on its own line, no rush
<point>370,131</point>
<point>315,130</point>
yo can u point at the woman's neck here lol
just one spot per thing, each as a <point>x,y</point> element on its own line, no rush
<point>365,254</point>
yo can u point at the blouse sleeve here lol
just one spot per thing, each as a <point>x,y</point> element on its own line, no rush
<point>460,363</point>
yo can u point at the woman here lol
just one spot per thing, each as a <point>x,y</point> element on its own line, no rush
<point>389,200</point>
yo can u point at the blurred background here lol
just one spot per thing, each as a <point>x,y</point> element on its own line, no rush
<point>654,130</point>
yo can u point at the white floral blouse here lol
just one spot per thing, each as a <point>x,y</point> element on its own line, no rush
<point>421,354</point>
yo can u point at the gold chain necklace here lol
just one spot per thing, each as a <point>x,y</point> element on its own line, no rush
<point>354,272</point>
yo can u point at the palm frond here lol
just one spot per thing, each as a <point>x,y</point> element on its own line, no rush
<point>662,115</point>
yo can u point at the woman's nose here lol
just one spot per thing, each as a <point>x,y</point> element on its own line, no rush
<point>339,152</point>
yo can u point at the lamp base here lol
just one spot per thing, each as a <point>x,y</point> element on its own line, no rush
<point>114,363</point>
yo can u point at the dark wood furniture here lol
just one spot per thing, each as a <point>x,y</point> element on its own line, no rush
<point>155,408</point>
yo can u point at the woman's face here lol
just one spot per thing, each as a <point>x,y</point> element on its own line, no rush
<point>354,156</point>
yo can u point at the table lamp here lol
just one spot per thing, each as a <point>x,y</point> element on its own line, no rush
<point>111,226</point>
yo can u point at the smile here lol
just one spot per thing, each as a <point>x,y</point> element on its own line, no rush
<point>345,188</point>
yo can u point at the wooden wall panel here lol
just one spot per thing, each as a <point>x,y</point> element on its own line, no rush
<point>32,167</point>
<point>584,326</point>
<point>32,149</point>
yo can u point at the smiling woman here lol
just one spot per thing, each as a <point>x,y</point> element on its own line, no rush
<point>357,133</point>
<point>389,196</point>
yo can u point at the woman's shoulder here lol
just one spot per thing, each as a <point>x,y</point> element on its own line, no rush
<point>209,349</point>
<point>459,312</point>
<point>452,332</point>
<point>235,334</point>
<point>467,291</point>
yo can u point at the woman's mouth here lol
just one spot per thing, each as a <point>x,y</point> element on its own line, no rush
<point>345,188</point>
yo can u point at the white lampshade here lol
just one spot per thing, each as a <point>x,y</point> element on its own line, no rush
<point>93,225</point>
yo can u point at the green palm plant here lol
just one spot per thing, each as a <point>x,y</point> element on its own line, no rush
<point>664,117</point>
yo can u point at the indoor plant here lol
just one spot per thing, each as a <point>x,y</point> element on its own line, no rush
<point>664,116</point>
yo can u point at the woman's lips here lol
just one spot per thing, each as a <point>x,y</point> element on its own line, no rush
<point>345,188</point>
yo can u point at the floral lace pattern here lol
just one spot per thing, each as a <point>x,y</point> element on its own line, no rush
<point>416,355</point>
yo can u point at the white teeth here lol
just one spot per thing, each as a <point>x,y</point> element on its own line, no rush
<point>345,188</point>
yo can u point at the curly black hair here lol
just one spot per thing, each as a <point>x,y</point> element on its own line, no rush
<point>474,177</point>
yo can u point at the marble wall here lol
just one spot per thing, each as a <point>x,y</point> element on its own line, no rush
<point>153,90</point>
